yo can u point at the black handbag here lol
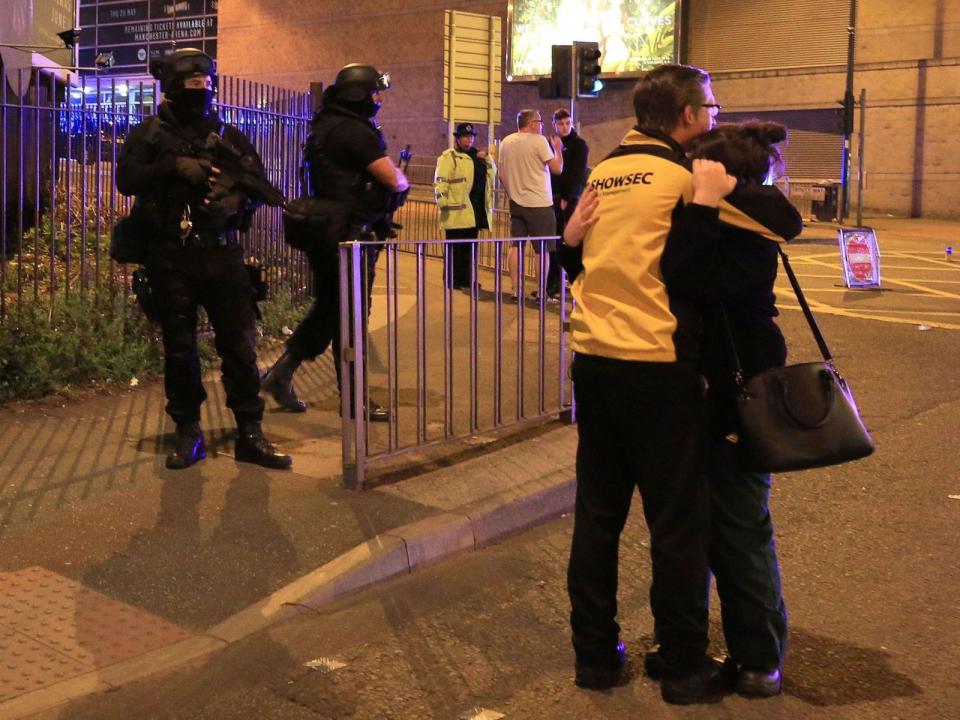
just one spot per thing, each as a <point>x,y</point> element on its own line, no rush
<point>798,416</point>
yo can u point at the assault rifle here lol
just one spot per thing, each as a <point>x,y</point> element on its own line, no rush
<point>238,170</point>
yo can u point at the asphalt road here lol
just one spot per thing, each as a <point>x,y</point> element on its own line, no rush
<point>868,553</point>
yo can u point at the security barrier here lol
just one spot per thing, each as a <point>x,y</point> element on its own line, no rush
<point>445,363</point>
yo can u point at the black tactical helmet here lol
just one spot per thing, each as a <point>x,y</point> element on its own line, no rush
<point>355,82</point>
<point>175,67</point>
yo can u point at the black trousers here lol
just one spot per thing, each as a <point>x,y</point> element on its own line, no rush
<point>553,275</point>
<point>320,327</point>
<point>743,557</point>
<point>640,425</point>
<point>459,265</point>
<point>216,279</point>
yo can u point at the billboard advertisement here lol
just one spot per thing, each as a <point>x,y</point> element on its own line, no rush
<point>137,30</point>
<point>634,35</point>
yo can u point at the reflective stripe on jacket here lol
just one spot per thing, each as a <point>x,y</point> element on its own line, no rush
<point>451,186</point>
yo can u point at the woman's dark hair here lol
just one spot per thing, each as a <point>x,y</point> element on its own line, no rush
<point>747,150</point>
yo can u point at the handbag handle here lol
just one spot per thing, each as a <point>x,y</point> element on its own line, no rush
<point>784,389</point>
<point>807,313</point>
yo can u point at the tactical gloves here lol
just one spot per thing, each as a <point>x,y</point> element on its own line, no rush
<point>194,170</point>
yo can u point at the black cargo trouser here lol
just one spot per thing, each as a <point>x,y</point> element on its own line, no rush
<point>459,267</point>
<point>183,279</point>
<point>320,327</point>
<point>553,274</point>
<point>743,558</point>
<point>640,425</point>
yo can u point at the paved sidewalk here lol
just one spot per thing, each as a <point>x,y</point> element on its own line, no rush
<point>113,568</point>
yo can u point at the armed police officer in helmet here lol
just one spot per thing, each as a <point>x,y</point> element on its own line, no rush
<point>198,182</point>
<point>346,156</point>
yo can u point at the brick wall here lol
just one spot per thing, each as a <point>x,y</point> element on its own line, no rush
<point>908,60</point>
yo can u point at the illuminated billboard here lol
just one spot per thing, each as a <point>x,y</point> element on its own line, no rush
<point>136,31</point>
<point>633,35</point>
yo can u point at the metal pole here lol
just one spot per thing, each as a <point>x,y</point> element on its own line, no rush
<point>860,177</point>
<point>843,208</point>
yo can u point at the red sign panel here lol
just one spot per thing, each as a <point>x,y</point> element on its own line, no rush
<point>860,257</point>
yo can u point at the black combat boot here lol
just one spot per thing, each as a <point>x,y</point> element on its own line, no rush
<point>253,447</point>
<point>278,381</point>
<point>190,447</point>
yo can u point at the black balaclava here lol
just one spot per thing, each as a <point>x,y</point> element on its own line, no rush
<point>367,107</point>
<point>191,104</point>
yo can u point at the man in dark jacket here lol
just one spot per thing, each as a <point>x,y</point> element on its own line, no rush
<point>567,186</point>
<point>194,258</point>
<point>347,158</point>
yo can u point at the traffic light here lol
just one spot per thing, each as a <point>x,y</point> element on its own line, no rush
<point>560,69</point>
<point>586,62</point>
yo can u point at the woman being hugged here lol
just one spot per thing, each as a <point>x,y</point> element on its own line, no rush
<point>729,273</point>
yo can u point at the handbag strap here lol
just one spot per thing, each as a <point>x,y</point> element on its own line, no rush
<point>814,328</point>
<point>734,355</point>
<point>808,314</point>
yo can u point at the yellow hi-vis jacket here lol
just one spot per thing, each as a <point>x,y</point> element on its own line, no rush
<point>622,310</point>
<point>451,186</point>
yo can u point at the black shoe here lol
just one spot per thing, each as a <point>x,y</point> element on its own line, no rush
<point>253,447</point>
<point>701,686</point>
<point>755,682</point>
<point>377,412</point>
<point>278,382</point>
<point>603,677</point>
<point>654,666</point>
<point>190,447</point>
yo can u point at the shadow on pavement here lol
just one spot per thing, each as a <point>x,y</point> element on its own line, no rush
<point>826,672</point>
<point>196,576</point>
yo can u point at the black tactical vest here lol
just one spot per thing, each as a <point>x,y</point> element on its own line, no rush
<point>368,200</point>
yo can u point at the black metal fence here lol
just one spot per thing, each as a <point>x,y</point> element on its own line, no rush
<point>58,201</point>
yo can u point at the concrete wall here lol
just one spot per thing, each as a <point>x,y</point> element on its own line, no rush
<point>907,59</point>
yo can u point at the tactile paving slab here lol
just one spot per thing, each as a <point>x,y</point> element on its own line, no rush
<point>53,628</point>
<point>27,665</point>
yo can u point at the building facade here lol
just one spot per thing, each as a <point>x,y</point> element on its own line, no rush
<point>775,58</point>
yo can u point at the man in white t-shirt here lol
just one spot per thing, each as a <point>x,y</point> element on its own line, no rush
<point>526,160</point>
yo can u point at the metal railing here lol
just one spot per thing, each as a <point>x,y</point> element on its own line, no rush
<point>446,364</point>
<point>58,201</point>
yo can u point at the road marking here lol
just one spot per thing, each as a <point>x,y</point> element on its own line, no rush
<point>926,268</point>
<point>860,315</point>
<point>939,262</point>
<point>914,286</point>
<point>929,290</point>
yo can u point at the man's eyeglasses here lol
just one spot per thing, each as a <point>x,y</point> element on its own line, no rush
<point>712,108</point>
